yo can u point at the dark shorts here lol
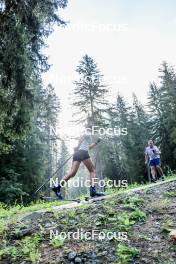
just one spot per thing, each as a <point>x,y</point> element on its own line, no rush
<point>155,162</point>
<point>81,155</point>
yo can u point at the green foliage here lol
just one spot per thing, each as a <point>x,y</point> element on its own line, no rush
<point>167,226</point>
<point>3,228</point>
<point>23,27</point>
<point>170,194</point>
<point>125,221</point>
<point>123,155</point>
<point>120,149</point>
<point>28,248</point>
<point>162,103</point>
<point>89,93</point>
<point>126,254</point>
<point>25,167</point>
<point>10,188</point>
<point>134,201</point>
<point>27,110</point>
<point>160,207</point>
<point>57,243</point>
<point>138,215</point>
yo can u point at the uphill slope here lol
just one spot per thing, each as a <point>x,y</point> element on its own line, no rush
<point>138,226</point>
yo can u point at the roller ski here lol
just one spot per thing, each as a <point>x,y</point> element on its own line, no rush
<point>94,195</point>
<point>52,199</point>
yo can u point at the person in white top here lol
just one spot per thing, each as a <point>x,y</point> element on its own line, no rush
<point>81,154</point>
<point>152,157</point>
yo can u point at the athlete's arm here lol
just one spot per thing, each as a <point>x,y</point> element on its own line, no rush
<point>94,144</point>
<point>157,151</point>
<point>146,158</point>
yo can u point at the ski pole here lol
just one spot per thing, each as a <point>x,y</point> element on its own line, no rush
<point>57,171</point>
<point>53,174</point>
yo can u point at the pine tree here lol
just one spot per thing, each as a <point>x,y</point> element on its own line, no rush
<point>140,134</point>
<point>89,99</point>
<point>118,145</point>
<point>27,165</point>
<point>89,93</point>
<point>162,102</point>
<point>124,154</point>
<point>24,25</point>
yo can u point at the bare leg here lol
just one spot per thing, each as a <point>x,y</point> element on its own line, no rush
<point>72,173</point>
<point>160,170</point>
<point>153,172</point>
<point>74,169</point>
<point>91,168</point>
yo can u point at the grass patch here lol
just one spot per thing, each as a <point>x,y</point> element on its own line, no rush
<point>57,243</point>
<point>125,222</point>
<point>138,215</point>
<point>27,248</point>
<point>170,194</point>
<point>8,212</point>
<point>136,185</point>
<point>158,207</point>
<point>3,228</point>
<point>126,254</point>
<point>167,226</point>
